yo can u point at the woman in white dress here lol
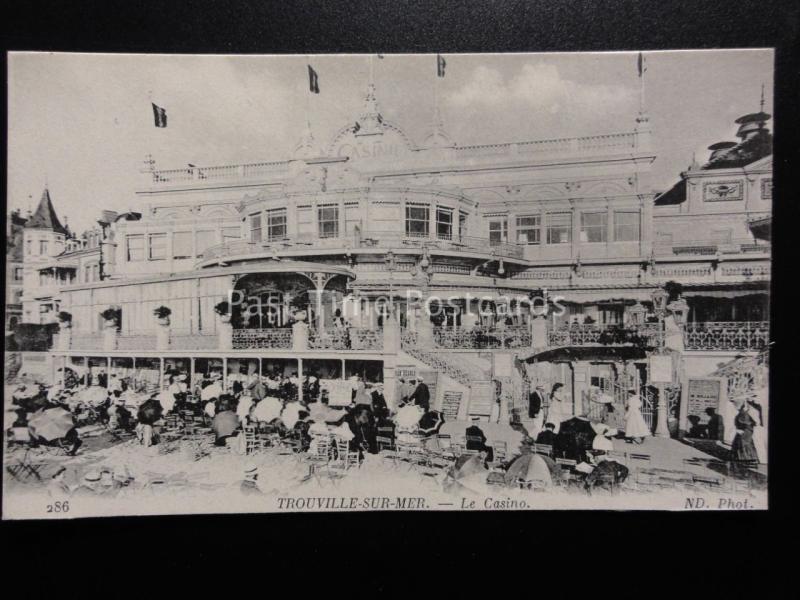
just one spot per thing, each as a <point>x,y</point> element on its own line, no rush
<point>636,428</point>
<point>559,410</point>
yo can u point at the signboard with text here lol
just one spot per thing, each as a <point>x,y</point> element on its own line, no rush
<point>703,393</point>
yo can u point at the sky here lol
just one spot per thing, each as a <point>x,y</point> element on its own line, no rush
<point>82,123</point>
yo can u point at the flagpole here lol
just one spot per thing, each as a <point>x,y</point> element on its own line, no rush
<point>641,84</point>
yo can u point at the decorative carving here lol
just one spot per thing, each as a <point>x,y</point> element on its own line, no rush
<point>722,191</point>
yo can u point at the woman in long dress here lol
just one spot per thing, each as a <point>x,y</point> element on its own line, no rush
<point>636,428</point>
<point>743,449</point>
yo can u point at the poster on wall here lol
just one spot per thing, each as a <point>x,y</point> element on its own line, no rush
<point>703,393</point>
<point>661,368</point>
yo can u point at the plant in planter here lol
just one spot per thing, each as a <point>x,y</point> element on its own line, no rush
<point>163,313</point>
<point>65,318</point>
<point>112,316</point>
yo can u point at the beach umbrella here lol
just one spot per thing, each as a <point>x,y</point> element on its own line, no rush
<point>268,409</point>
<point>321,413</point>
<point>574,438</point>
<point>531,467</point>
<point>167,400</point>
<point>291,414</point>
<point>150,411</point>
<point>51,424</point>
<point>210,392</point>
<point>431,422</point>
<point>466,465</point>
<point>225,423</point>
<point>408,417</point>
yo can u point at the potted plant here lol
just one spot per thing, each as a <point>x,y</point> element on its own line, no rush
<point>65,319</point>
<point>112,317</point>
<point>223,309</point>
<point>163,313</point>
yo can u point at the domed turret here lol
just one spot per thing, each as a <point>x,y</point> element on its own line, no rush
<point>752,124</point>
<point>719,149</point>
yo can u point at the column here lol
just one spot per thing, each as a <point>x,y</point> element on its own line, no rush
<point>160,372</point>
<point>225,373</point>
<point>191,375</point>
<point>108,370</point>
<point>662,412</point>
<point>299,379</point>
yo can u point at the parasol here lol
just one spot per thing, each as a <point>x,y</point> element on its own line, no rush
<point>531,467</point>
<point>431,422</point>
<point>243,408</point>
<point>167,400</point>
<point>150,411</point>
<point>466,465</point>
<point>408,417</point>
<point>291,414</point>
<point>267,410</point>
<point>225,423</point>
<point>574,438</point>
<point>212,391</point>
<point>51,424</point>
<point>321,413</point>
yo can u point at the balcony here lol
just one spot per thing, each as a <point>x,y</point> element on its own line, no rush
<point>483,338</point>
<point>647,334</point>
<point>389,240</point>
<point>746,336</point>
<point>711,247</point>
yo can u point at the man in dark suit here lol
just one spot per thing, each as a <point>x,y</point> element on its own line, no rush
<point>535,400</point>
<point>548,435</point>
<point>421,396</point>
<point>379,407</point>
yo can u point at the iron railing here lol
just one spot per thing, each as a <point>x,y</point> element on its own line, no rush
<point>726,335</point>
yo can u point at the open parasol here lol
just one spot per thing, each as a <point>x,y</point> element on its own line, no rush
<point>150,411</point>
<point>268,409</point>
<point>431,422</point>
<point>225,423</point>
<point>408,417</point>
<point>51,424</point>
<point>531,467</point>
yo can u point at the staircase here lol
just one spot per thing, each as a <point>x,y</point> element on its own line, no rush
<point>465,371</point>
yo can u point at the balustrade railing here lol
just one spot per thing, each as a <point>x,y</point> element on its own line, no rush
<point>194,341</point>
<point>726,335</point>
<point>483,338</point>
<point>711,247</point>
<point>368,239</point>
<point>136,341</point>
<point>647,334</point>
<point>275,338</point>
<point>350,338</point>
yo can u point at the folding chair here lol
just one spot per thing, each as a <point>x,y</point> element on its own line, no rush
<point>318,457</point>
<point>24,468</point>
<point>345,460</point>
<point>251,441</point>
<point>500,450</point>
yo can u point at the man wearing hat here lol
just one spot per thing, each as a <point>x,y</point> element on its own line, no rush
<point>249,485</point>
<point>379,407</point>
<point>421,396</point>
<point>476,440</point>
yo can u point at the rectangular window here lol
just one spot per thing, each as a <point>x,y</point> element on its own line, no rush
<point>276,224</point>
<point>17,273</point>
<point>305,223</point>
<point>529,229</point>
<point>157,246</point>
<point>43,247</point>
<point>594,227</point>
<point>352,218</point>
<point>498,231</point>
<point>559,228</point>
<point>95,272</point>
<point>42,278</point>
<point>135,248</point>
<point>626,226</point>
<point>444,223</point>
<point>255,229</point>
<point>30,247</point>
<point>328,221</point>
<point>417,220</point>
<point>203,241</point>
<point>182,244</point>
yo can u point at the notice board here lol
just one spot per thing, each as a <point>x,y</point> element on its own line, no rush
<point>703,393</point>
<point>451,404</point>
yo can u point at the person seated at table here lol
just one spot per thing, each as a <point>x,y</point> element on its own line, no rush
<point>548,435</point>
<point>358,420</point>
<point>476,440</point>
<point>379,406</point>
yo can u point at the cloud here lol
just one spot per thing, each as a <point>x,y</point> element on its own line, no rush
<point>553,105</point>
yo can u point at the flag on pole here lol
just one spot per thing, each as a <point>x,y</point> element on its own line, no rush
<point>641,64</point>
<point>159,116</point>
<point>313,80</point>
<point>440,65</point>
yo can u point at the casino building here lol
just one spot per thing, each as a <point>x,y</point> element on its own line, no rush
<point>317,237</point>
